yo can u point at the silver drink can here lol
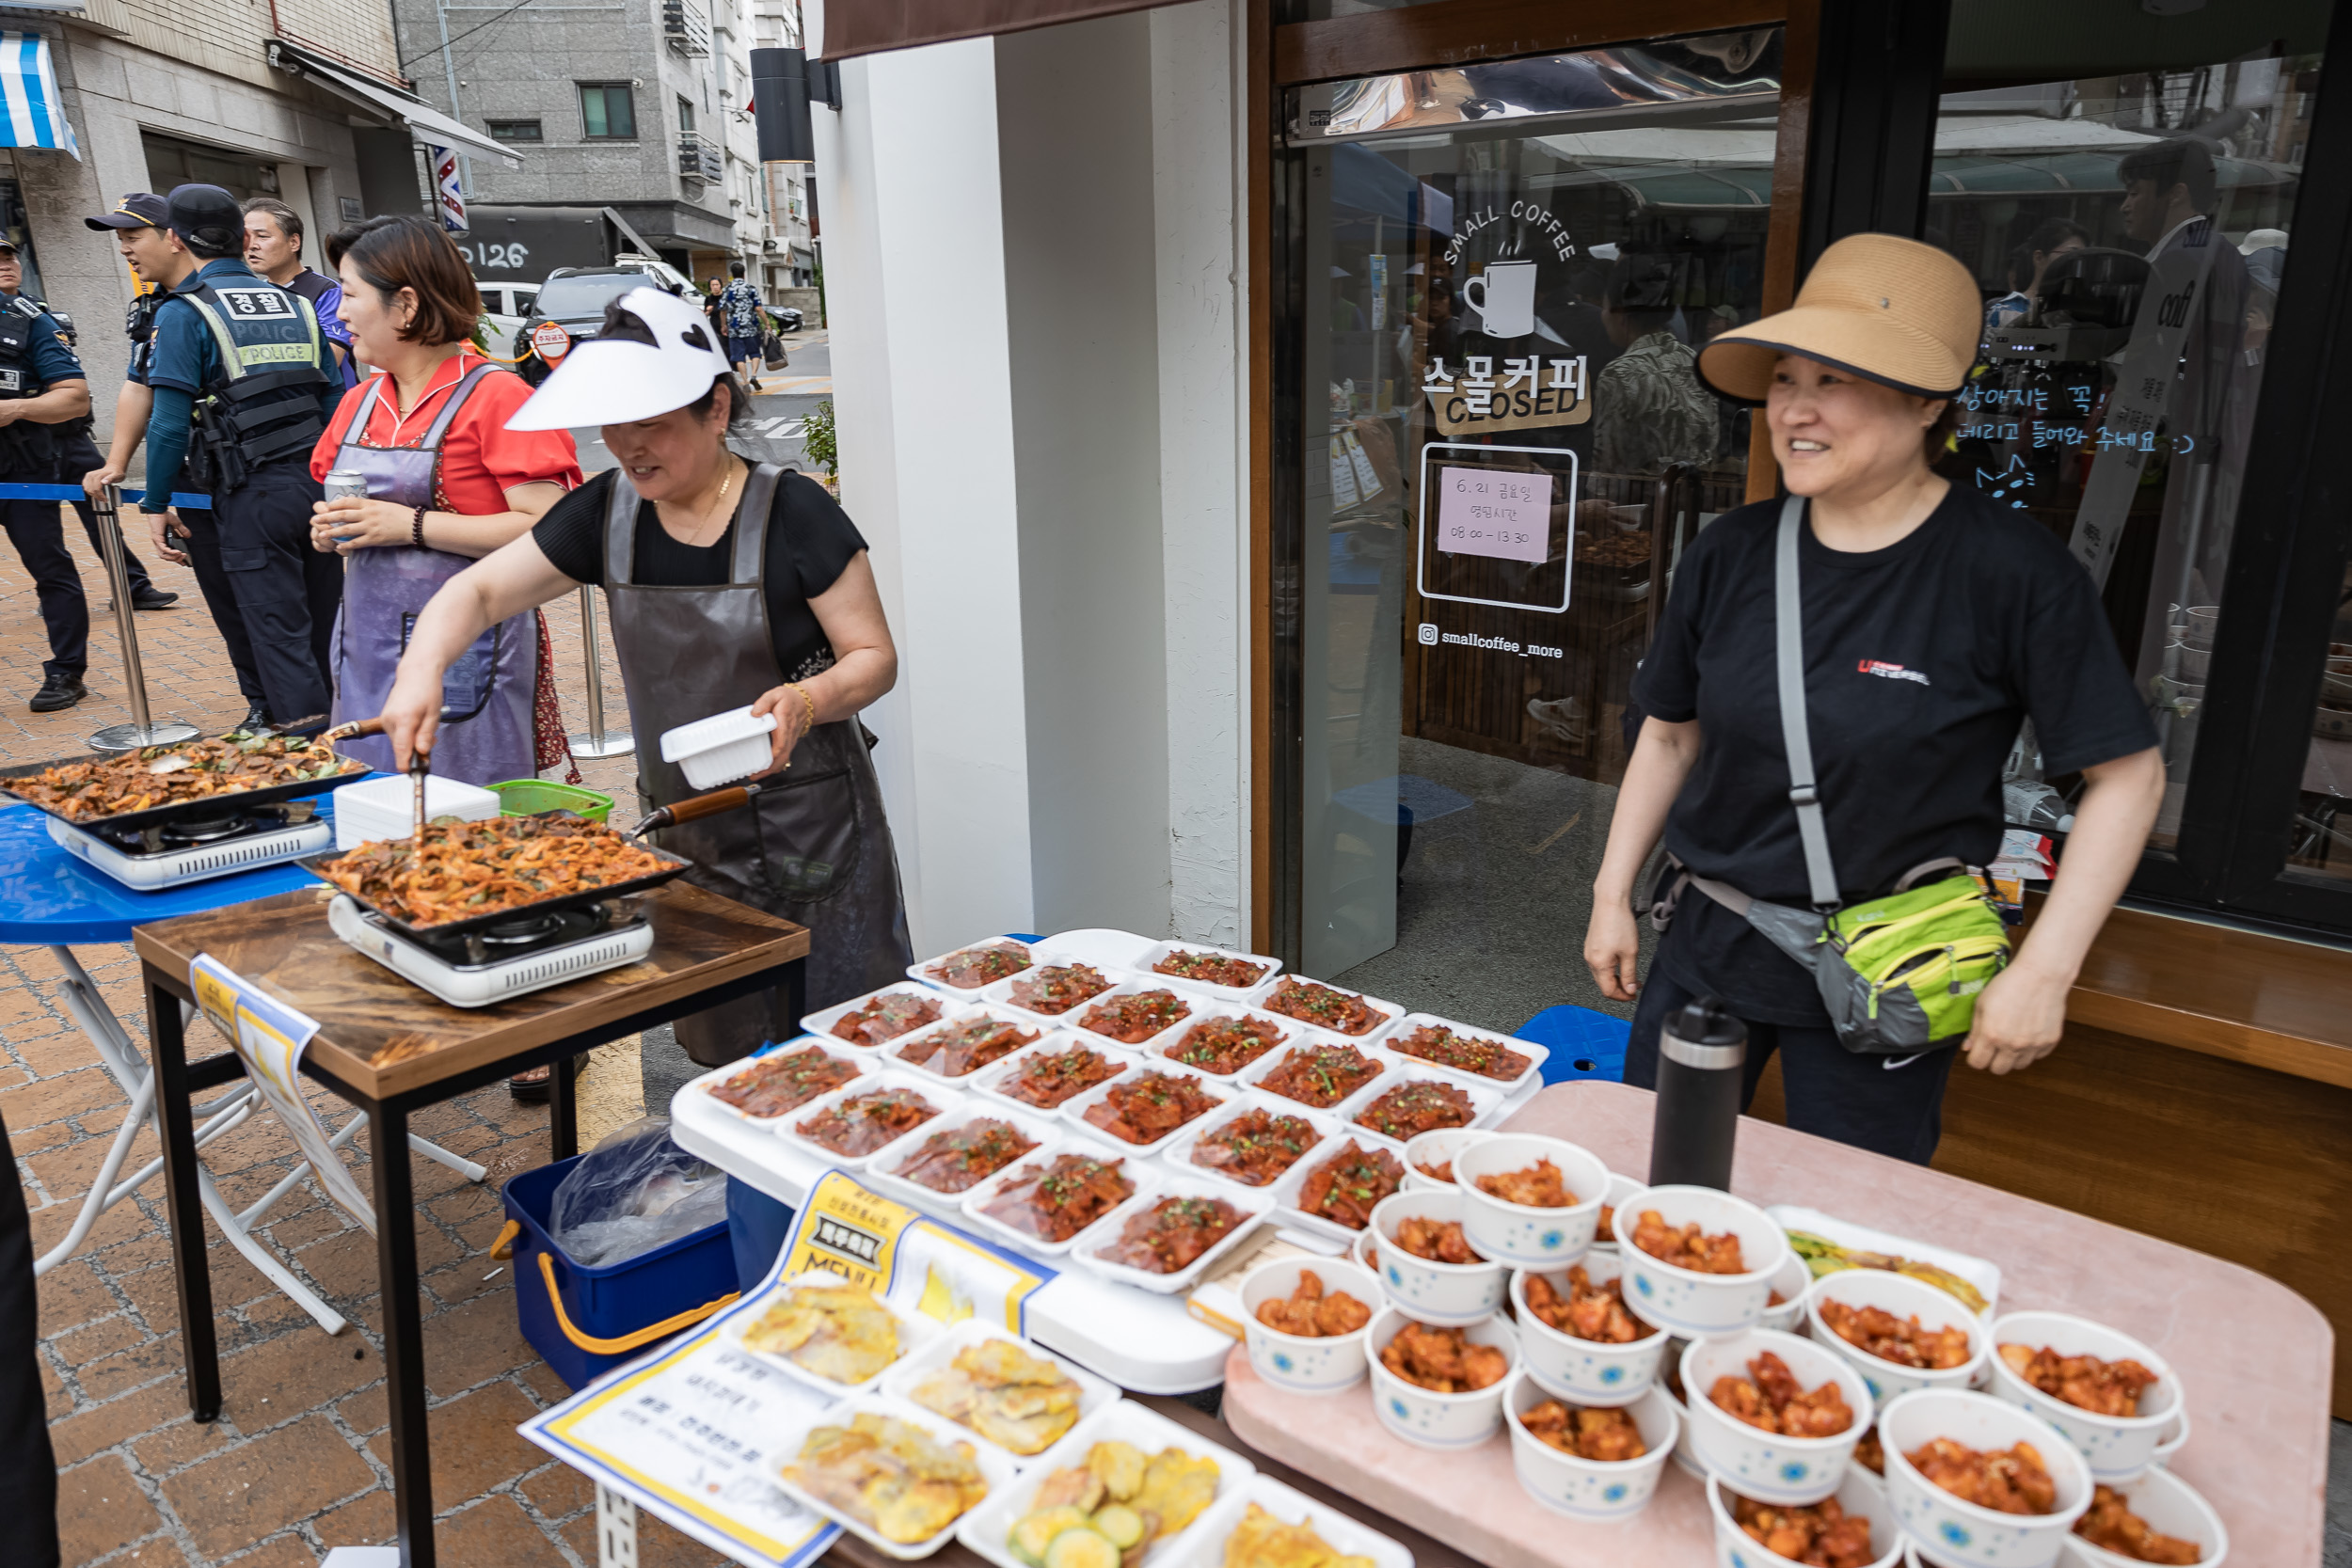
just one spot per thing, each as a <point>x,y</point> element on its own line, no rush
<point>345,482</point>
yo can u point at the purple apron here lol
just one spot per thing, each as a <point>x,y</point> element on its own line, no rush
<point>386,586</point>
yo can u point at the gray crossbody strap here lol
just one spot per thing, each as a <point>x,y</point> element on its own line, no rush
<point>1789,621</point>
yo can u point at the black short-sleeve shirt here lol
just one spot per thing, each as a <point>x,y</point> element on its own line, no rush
<point>1921,660</point>
<point>810,543</point>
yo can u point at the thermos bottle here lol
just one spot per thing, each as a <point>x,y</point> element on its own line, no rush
<point>1700,1051</point>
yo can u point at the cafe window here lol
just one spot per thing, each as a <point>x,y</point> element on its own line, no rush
<point>607,111</point>
<point>2128,190</point>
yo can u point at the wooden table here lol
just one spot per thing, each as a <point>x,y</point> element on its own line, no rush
<point>391,1049</point>
<point>2252,1356</point>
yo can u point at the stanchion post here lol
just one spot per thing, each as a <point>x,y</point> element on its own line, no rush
<point>107,505</point>
<point>596,742</point>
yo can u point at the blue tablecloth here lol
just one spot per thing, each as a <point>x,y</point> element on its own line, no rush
<point>49,898</point>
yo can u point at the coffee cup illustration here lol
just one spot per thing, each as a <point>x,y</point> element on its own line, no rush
<point>1505,300</point>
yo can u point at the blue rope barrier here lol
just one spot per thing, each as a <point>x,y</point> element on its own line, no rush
<point>75,493</point>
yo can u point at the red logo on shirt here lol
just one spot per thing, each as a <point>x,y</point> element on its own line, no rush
<point>1892,671</point>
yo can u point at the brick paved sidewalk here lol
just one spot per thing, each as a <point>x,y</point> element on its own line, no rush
<point>297,1463</point>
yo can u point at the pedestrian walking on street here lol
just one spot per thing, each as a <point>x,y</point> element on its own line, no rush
<point>243,383</point>
<point>448,483</point>
<point>139,225</point>
<point>740,318</point>
<point>272,247</point>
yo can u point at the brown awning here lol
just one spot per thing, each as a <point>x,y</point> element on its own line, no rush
<point>870,27</point>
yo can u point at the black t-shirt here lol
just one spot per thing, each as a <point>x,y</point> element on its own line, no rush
<point>1921,659</point>
<point>810,542</point>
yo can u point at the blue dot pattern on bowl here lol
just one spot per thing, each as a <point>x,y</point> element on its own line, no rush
<point>1552,1240</point>
<point>1284,1362</point>
<point>1395,1277</point>
<point>1794,1471</point>
<point>1398,1406</point>
<point>1613,1373</point>
<point>1613,1492</point>
<point>1641,1284</point>
<point>1954,1533</point>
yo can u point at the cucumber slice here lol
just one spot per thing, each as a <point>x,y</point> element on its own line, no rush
<point>1081,1548</point>
<point>1122,1524</point>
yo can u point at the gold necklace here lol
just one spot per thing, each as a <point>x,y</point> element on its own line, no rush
<point>724,485</point>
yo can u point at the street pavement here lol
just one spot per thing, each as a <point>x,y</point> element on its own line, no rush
<point>777,410</point>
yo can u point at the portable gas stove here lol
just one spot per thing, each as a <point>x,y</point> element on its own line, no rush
<point>490,963</point>
<point>194,848</point>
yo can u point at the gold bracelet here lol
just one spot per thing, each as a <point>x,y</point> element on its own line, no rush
<point>808,701</point>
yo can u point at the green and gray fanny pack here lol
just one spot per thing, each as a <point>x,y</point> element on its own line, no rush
<point>1899,974</point>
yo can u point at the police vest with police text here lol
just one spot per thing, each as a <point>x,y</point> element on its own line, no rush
<point>259,407</point>
<point>27,447</point>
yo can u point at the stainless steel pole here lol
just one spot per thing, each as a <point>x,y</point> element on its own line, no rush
<point>596,742</point>
<point>106,505</point>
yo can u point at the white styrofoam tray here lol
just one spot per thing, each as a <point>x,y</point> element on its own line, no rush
<point>831,1047</point>
<point>1389,1012</point>
<point>1292,1033</point>
<point>1094,1393</point>
<point>985,1527</point>
<point>990,1080</point>
<point>722,747</point>
<point>915,1332</point>
<point>1177,1155</point>
<point>898,1052</point>
<point>932,1089</point>
<point>1983,1275</point>
<point>1253,1076</point>
<point>1205,1546</point>
<point>1073,1110</point>
<point>880,1175</point>
<point>951,1005</point>
<point>1100,945</point>
<point>1252,1207</point>
<point>1140,1173</point>
<point>1286,1192</point>
<point>1149,962</point>
<point>995,1464</point>
<point>374,811</point>
<point>921,972</point>
<point>1486,1106</point>
<point>1537,1054</point>
<point>999,993</point>
<point>1192,1002</point>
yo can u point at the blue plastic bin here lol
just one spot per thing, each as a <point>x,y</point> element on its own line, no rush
<point>1583,1043</point>
<point>586,1320</point>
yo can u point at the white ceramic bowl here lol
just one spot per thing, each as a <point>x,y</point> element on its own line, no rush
<point>1589,1488</point>
<point>1682,1300</point>
<point>1322,1365</point>
<point>1686,1451</point>
<point>2175,1436</point>
<point>1517,1233</point>
<point>1583,1371</point>
<point>2171,1507</point>
<point>1905,1297</point>
<point>2117,1447</point>
<point>1763,1464</point>
<point>1859,1493</point>
<point>1454,1293</point>
<point>1437,1149</point>
<point>1620,1189</point>
<point>1961,1533</point>
<point>1431,1419</point>
<point>1791,1284</point>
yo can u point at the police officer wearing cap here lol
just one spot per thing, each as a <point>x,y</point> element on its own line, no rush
<point>243,382</point>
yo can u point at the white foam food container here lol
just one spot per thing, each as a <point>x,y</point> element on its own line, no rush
<point>1094,1393</point>
<point>990,1080</point>
<point>1192,1002</point>
<point>1486,1106</point>
<point>1984,1275</point>
<point>1073,1110</point>
<point>921,972</point>
<point>915,1332</point>
<point>1389,1012</point>
<point>1177,1155</point>
<point>721,749</point>
<point>951,1005</point>
<point>995,1464</point>
<point>1287,1192</point>
<point>376,810</point>
<point>932,1089</point>
<point>998,993</point>
<point>1340,1531</point>
<point>910,1052</point>
<point>1292,1033</point>
<point>880,1175</point>
<point>832,1049</point>
<point>1141,1173</point>
<point>1252,1208</point>
<point>1147,967</point>
<point>985,1529</point>
<point>1253,1076</point>
<point>1536,1055</point>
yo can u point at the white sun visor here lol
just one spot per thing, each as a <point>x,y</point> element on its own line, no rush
<point>615,377</point>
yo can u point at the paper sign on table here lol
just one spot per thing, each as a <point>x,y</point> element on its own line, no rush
<point>1497,512</point>
<point>917,1262</point>
<point>269,1037</point>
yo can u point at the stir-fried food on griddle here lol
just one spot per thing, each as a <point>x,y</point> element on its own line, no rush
<point>1539,1187</point>
<point>1770,1399</point>
<point>891,1475</point>
<point>1688,1246</point>
<point>1311,1314</point>
<point>1606,1436</point>
<point>1589,1311</point>
<point>460,870</point>
<point>1892,1338</point>
<point>1443,1360</point>
<point>1345,1187</point>
<point>2111,1526</point>
<point>169,775</point>
<point>2101,1388</point>
<point>1820,1535</point>
<point>2007,1481</point>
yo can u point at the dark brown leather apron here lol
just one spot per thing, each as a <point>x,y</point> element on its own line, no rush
<point>813,847</point>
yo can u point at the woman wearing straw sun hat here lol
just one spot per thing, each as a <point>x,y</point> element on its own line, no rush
<point>1909,627</point>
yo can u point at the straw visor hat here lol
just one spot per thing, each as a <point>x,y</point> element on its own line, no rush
<point>1894,310</point>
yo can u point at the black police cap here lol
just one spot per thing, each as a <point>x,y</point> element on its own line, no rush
<point>139,209</point>
<point>206,215</point>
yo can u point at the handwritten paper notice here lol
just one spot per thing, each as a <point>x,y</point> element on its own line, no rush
<point>1481,512</point>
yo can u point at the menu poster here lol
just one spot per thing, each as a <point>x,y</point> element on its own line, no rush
<point>919,1263</point>
<point>269,1037</point>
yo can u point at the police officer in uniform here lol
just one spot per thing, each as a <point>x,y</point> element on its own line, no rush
<point>42,387</point>
<point>138,224</point>
<point>243,383</point>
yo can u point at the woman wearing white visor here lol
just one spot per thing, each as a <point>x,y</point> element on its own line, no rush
<point>730,583</point>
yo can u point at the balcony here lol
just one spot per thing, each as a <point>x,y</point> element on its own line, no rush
<point>699,158</point>
<point>687,28</point>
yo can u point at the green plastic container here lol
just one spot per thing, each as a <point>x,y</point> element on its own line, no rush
<point>528,797</point>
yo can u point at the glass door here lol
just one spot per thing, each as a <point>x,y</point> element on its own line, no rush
<point>1493,447</point>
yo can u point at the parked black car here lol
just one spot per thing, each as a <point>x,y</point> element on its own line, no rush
<point>573,299</point>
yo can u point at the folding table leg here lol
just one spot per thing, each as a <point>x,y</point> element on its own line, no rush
<point>183,1200</point>
<point>617,1530</point>
<point>404,1332</point>
<point>563,1109</point>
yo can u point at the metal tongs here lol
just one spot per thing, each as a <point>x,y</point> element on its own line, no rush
<point>420,760</point>
<point>695,806</point>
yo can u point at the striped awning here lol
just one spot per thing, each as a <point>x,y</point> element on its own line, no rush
<point>28,85</point>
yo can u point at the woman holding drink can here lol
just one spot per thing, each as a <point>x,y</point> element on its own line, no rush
<point>422,478</point>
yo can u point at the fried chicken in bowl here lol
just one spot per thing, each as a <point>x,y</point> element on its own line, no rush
<point>1699,1263</point>
<point>2111,1395</point>
<point>1532,1202</point>
<point>1780,1413</point>
<point>1587,1461</point>
<point>1580,1337</point>
<point>1426,1263</point>
<point>1439,1384</point>
<point>1339,1302</point>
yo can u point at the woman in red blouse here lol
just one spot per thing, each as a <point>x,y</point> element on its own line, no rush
<point>448,483</point>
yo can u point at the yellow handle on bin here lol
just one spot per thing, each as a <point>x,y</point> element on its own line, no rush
<point>503,1247</point>
<point>626,1342</point>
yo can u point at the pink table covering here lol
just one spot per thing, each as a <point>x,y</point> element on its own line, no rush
<point>2256,1394</point>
